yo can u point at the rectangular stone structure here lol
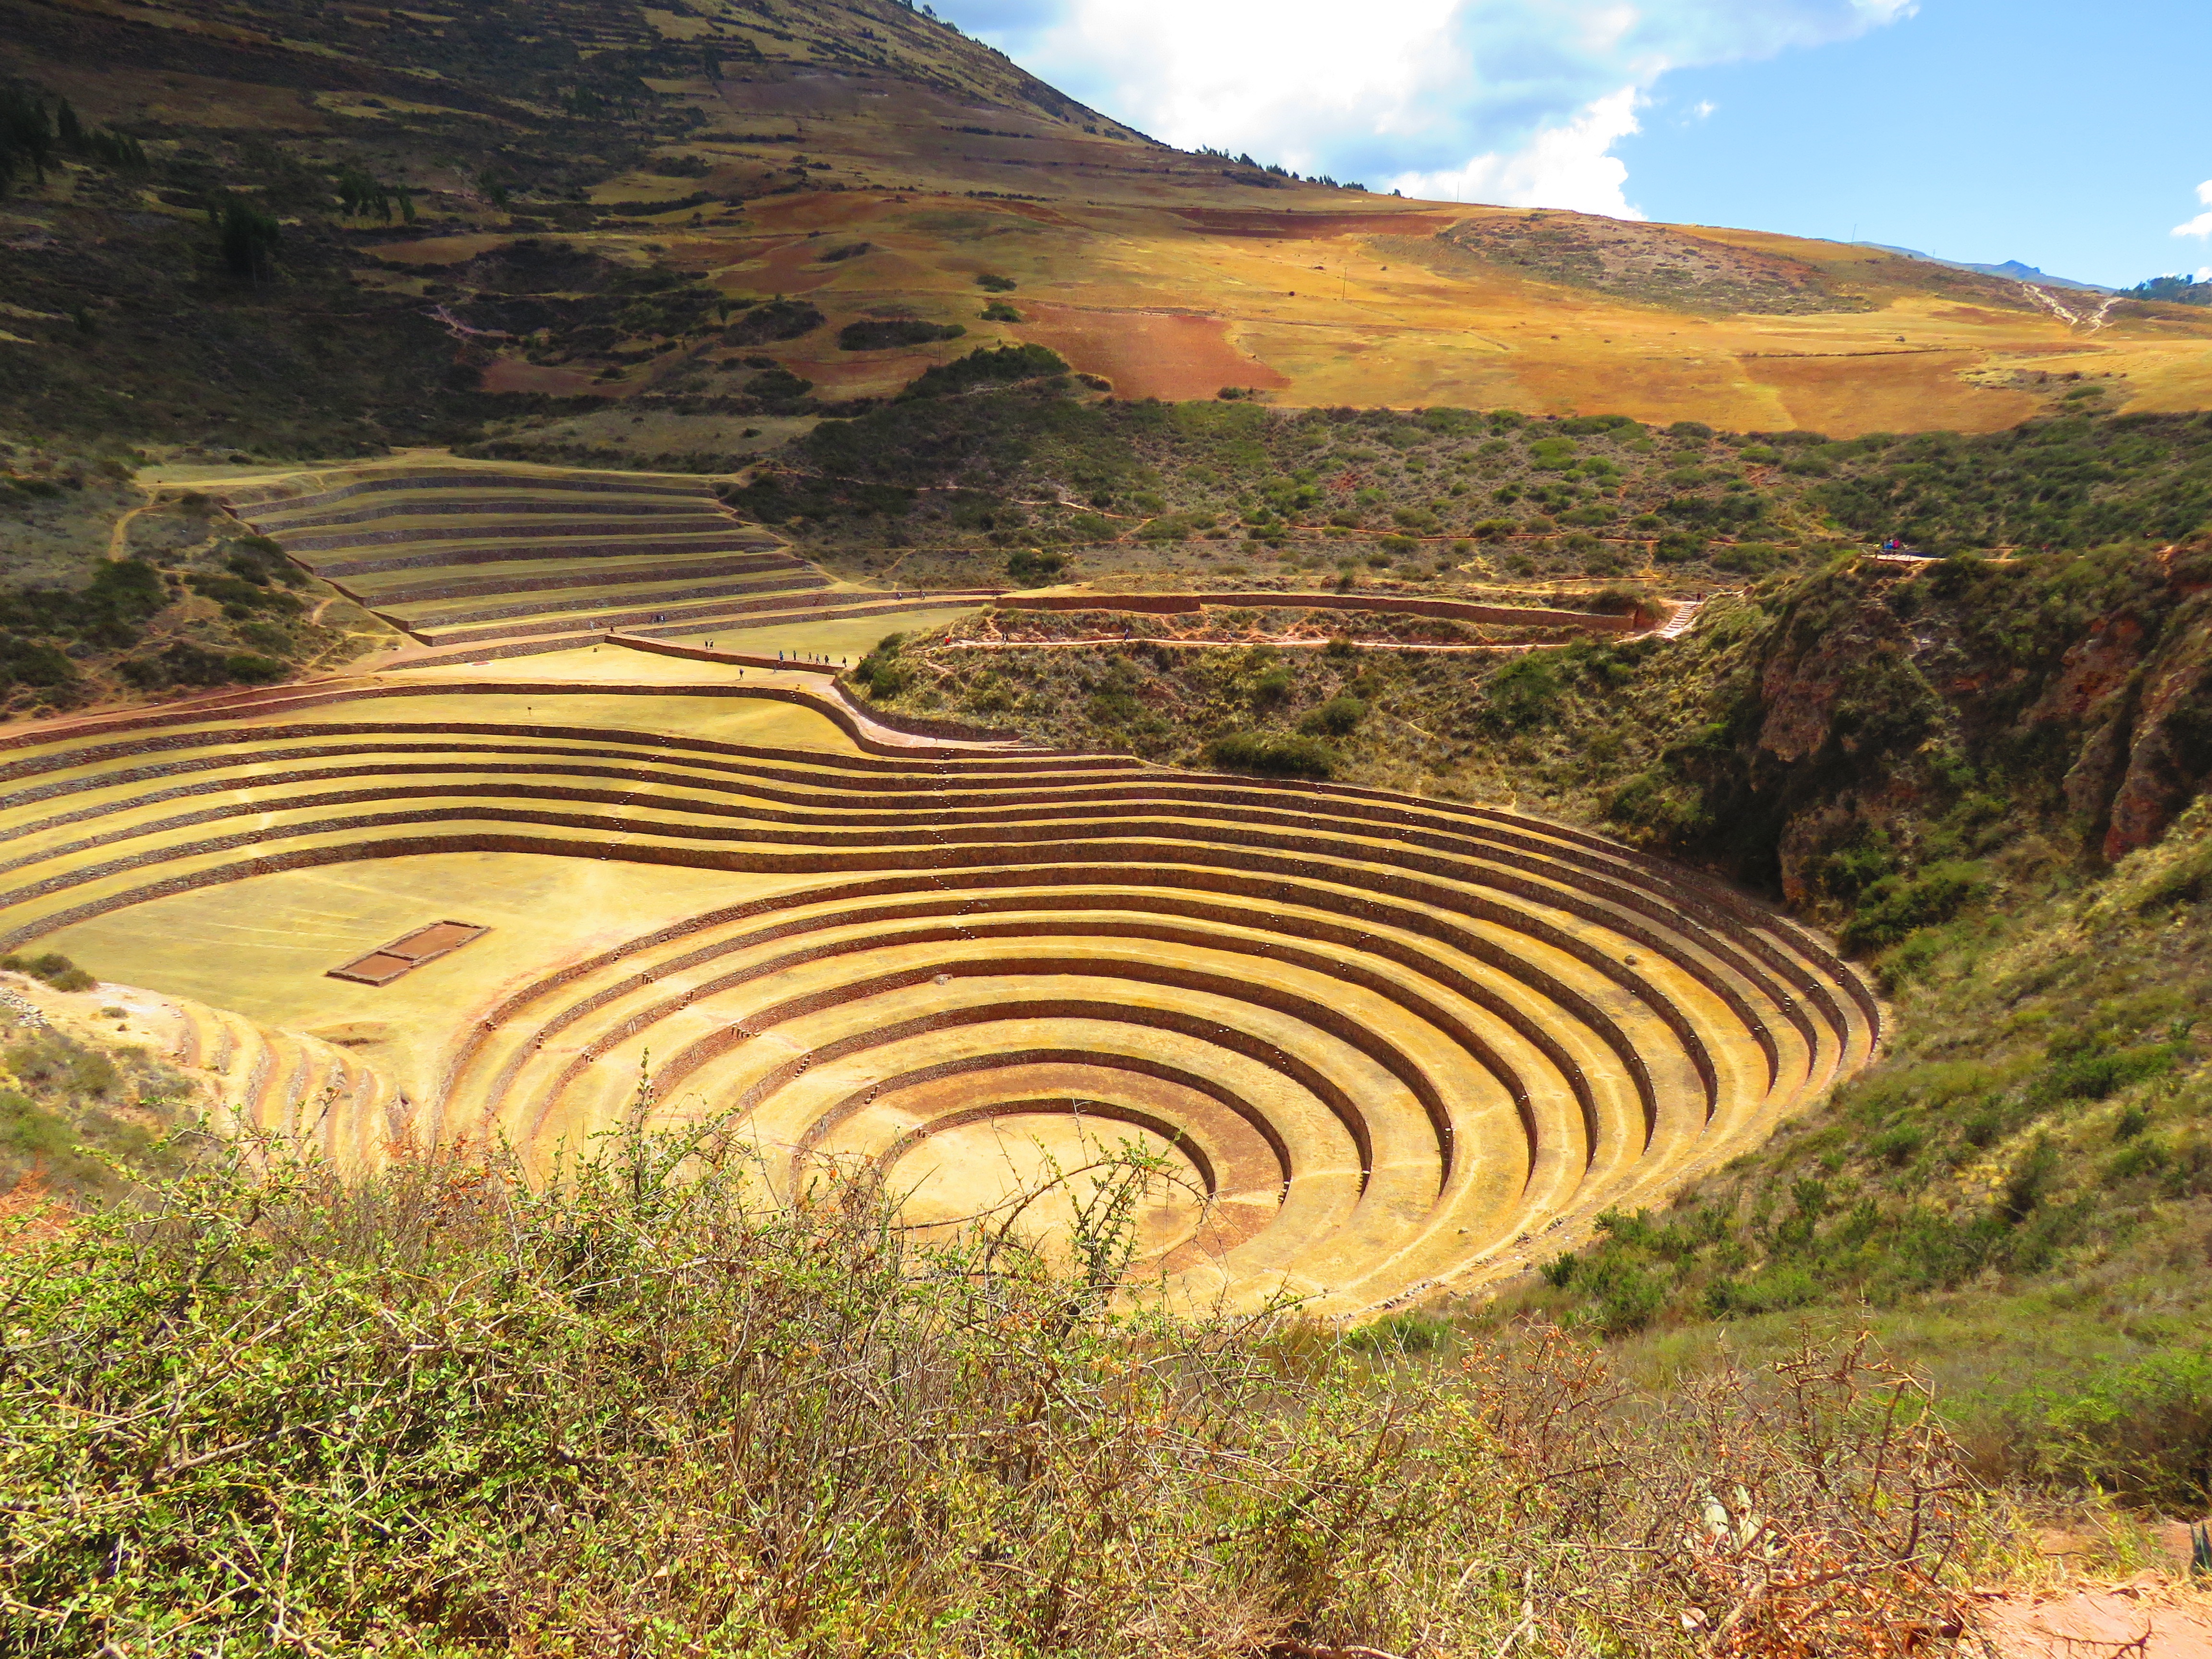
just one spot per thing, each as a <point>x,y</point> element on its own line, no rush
<point>388,963</point>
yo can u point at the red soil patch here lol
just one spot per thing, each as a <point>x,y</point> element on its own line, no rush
<point>1148,354</point>
<point>514,374</point>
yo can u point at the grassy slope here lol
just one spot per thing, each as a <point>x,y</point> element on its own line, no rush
<point>2018,1200</point>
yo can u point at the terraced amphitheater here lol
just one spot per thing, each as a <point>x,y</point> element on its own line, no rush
<point>1377,1045</point>
<point>537,560</point>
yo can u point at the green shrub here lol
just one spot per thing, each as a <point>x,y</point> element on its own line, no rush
<point>777,320</point>
<point>1525,692</point>
<point>1272,685</point>
<point>1033,566</point>
<point>1775,1290</point>
<point>53,968</point>
<point>183,664</point>
<point>28,1131</point>
<point>240,596</point>
<point>1115,708</point>
<point>1337,718</point>
<point>1899,1145</point>
<point>34,663</point>
<point>246,237</point>
<point>878,334</point>
<point>1409,1332</point>
<point>1613,601</point>
<point>1896,905</point>
<point>778,384</point>
<point>108,612</point>
<point>880,674</point>
<point>1617,426</point>
<point>50,1059</point>
<point>986,366</point>
<point>1626,1298</point>
<point>1277,757</point>
<point>2142,1429</point>
<point>2147,1155</point>
<point>2088,1067</point>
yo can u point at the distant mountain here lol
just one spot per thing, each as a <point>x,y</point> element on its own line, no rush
<point>2012,270</point>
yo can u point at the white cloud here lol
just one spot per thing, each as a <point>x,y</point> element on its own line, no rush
<point>1513,99</point>
<point>2202,224</point>
<point>1567,166</point>
<point>1703,109</point>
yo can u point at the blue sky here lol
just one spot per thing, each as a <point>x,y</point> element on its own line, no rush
<point>2067,136</point>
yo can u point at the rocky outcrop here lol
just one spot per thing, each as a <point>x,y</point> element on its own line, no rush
<point>2169,734</point>
<point>2077,691</point>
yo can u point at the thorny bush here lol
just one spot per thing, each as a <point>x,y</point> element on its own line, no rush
<point>437,1409</point>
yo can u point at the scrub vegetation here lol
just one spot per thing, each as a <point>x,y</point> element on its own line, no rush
<point>1437,498</point>
<point>437,1411</point>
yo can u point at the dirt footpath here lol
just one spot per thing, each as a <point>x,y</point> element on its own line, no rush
<point>2152,1616</point>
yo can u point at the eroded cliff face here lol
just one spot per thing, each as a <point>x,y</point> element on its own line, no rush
<point>1892,713</point>
<point>2164,726</point>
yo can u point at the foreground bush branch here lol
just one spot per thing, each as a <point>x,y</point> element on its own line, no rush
<point>436,1411</point>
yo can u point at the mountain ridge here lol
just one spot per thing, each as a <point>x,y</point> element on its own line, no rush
<point>2012,270</point>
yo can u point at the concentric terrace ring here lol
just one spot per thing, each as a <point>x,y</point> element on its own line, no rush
<point>1378,1044</point>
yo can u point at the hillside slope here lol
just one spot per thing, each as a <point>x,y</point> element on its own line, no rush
<point>668,170</point>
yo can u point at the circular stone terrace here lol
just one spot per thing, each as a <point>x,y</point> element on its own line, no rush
<point>1374,1046</point>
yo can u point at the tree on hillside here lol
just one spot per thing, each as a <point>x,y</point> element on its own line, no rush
<point>2175,290</point>
<point>361,193</point>
<point>247,237</point>
<point>25,137</point>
